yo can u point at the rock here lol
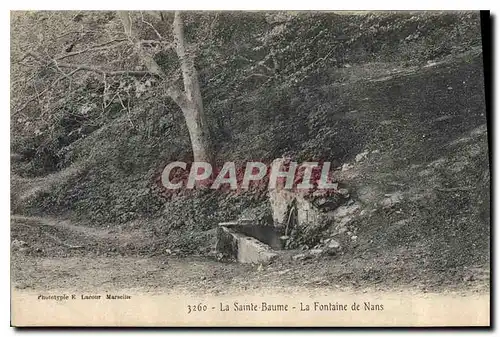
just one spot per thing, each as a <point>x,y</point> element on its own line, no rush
<point>16,244</point>
<point>346,167</point>
<point>354,237</point>
<point>316,252</point>
<point>246,221</point>
<point>469,278</point>
<point>322,282</point>
<point>343,211</point>
<point>329,203</point>
<point>343,192</point>
<point>299,257</point>
<point>391,199</point>
<point>367,194</point>
<point>333,247</point>
<point>361,156</point>
<point>168,251</point>
<point>320,202</point>
<point>22,286</point>
<point>333,244</point>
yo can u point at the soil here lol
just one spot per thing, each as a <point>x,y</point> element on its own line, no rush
<point>52,254</point>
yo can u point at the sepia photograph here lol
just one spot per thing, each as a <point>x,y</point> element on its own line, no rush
<point>250,168</point>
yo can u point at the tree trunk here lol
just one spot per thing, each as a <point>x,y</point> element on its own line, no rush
<point>193,109</point>
<point>198,132</point>
<point>189,100</point>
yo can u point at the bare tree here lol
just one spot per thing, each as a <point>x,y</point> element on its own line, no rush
<point>189,99</point>
<point>187,96</point>
<point>111,49</point>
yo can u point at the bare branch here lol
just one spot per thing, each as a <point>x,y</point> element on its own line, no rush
<point>150,25</point>
<point>108,72</point>
<point>76,68</point>
<point>164,44</point>
<point>80,67</point>
<point>28,54</point>
<point>257,63</point>
<point>149,61</point>
<point>256,75</point>
<point>34,97</point>
<point>127,108</point>
<point>62,72</point>
<point>103,46</point>
<point>155,14</point>
<point>104,90</point>
<point>178,96</point>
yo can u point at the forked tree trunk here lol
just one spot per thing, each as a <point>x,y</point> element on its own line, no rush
<point>189,100</point>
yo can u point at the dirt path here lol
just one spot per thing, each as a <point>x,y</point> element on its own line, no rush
<point>55,254</point>
<point>51,237</point>
<point>101,234</point>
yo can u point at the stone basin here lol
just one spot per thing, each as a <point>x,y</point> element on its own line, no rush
<point>249,242</point>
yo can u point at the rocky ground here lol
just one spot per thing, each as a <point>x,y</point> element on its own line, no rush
<point>88,260</point>
<point>48,254</point>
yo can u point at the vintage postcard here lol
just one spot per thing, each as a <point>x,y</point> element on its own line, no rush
<point>250,169</point>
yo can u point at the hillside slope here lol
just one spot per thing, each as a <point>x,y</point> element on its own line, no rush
<point>412,104</point>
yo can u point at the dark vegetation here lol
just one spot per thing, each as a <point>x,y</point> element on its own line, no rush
<point>311,97</point>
